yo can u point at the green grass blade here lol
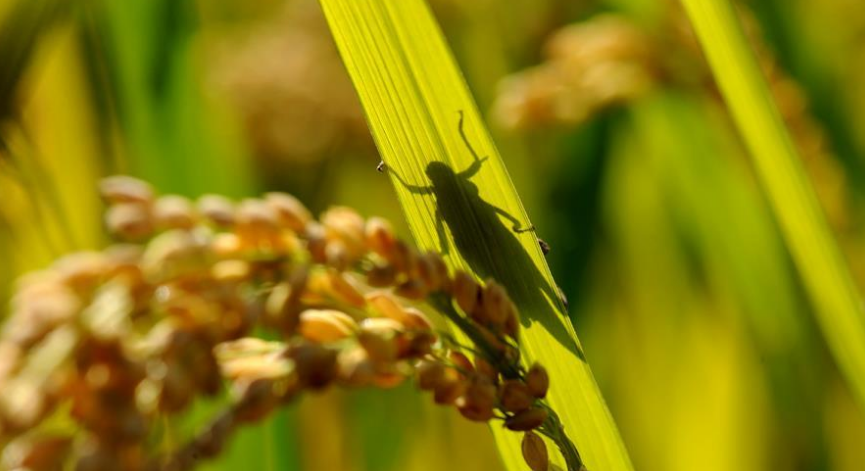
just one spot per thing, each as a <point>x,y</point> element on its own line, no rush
<point>828,282</point>
<point>413,92</point>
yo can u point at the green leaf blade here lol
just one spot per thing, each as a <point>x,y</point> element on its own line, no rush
<point>412,93</point>
<point>837,304</point>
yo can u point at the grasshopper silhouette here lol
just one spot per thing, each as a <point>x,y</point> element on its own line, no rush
<point>494,252</point>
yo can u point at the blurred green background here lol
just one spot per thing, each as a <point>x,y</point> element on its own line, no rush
<point>683,293</point>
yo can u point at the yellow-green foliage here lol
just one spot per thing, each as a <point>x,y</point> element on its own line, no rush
<point>837,304</point>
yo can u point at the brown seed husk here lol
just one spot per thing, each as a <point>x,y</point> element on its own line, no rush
<point>526,420</point>
<point>217,209</point>
<point>465,291</point>
<point>478,401</point>
<point>290,212</point>
<point>387,305</point>
<point>538,381</point>
<point>326,325</point>
<point>343,289</point>
<point>125,189</point>
<point>129,221</point>
<point>379,236</point>
<point>174,212</point>
<point>515,396</point>
<point>450,388</point>
<point>461,361</point>
<point>429,374</point>
<point>355,369</point>
<point>535,452</point>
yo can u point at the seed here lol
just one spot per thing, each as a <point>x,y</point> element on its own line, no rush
<point>243,347</point>
<point>22,404</point>
<point>46,305</point>
<point>379,236</point>
<point>257,225</point>
<point>526,420</point>
<point>173,212</point>
<point>478,400</point>
<point>230,271</point>
<point>257,400</point>
<point>465,291</point>
<point>495,303</point>
<point>381,275</point>
<point>172,255</point>
<point>484,368</point>
<point>255,367</point>
<point>217,209</point>
<point>429,273</point>
<point>380,338</point>
<point>289,210</point>
<point>417,319</point>
<point>355,367</point>
<point>535,452</point>
<point>336,255</point>
<point>402,257</point>
<point>36,453</point>
<point>429,374</point>
<point>82,271</point>
<point>343,289</point>
<point>388,306</point>
<point>346,225</point>
<point>450,388</point>
<point>420,343</point>
<point>125,189</point>
<point>388,379</point>
<point>412,289</point>
<point>538,381</point>
<point>512,323</point>
<point>316,365</point>
<point>326,325</point>
<point>462,362</point>
<point>129,221</point>
<point>316,242</point>
<point>226,245</point>
<point>282,307</point>
<point>515,396</point>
